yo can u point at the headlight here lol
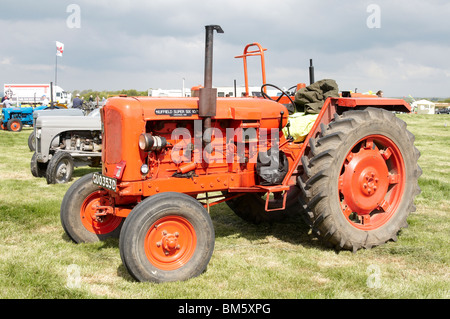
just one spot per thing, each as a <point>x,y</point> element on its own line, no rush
<point>148,142</point>
<point>144,169</point>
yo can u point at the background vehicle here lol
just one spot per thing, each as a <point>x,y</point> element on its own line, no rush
<point>32,93</point>
<point>444,110</point>
<point>65,142</point>
<point>49,112</point>
<point>354,176</point>
<point>14,118</point>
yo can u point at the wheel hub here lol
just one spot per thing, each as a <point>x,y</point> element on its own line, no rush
<point>369,182</point>
<point>365,181</point>
<point>169,242</point>
<point>97,217</point>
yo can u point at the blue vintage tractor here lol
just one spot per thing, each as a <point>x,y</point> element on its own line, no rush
<point>14,118</point>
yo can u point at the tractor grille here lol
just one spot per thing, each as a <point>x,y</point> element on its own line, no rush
<point>112,139</point>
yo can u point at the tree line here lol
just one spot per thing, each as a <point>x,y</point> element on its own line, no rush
<point>105,94</point>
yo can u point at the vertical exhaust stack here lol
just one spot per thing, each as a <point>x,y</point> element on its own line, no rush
<point>208,95</point>
<point>311,72</point>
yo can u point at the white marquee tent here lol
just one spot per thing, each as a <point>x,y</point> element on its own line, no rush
<point>423,107</point>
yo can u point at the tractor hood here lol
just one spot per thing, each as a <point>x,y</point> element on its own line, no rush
<point>69,122</point>
<point>151,108</point>
<point>124,119</point>
<point>57,112</point>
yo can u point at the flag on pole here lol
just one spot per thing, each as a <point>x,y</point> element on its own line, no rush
<point>59,48</point>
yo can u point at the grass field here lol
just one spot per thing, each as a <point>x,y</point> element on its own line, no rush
<point>37,259</point>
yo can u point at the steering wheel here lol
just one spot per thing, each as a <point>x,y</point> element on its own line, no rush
<point>264,94</point>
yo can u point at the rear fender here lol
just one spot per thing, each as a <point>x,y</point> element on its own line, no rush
<point>334,106</point>
<point>396,105</point>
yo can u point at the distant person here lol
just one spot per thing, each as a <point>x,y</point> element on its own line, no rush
<point>45,100</point>
<point>380,93</point>
<point>91,99</point>
<point>7,102</point>
<point>77,102</point>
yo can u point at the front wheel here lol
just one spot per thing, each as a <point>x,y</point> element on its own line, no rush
<point>167,237</point>
<point>60,168</point>
<point>79,213</point>
<point>360,179</point>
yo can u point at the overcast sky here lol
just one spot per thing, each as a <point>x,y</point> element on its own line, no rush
<point>401,47</point>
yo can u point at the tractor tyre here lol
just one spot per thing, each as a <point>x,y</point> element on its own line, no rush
<point>60,168</point>
<point>14,125</point>
<point>32,142</point>
<point>167,237</point>
<point>360,179</point>
<point>251,207</point>
<point>37,169</point>
<point>78,209</point>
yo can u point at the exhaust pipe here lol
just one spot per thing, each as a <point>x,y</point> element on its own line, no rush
<point>311,72</point>
<point>208,95</point>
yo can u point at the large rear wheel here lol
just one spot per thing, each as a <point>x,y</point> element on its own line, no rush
<point>32,142</point>
<point>360,179</point>
<point>37,169</point>
<point>14,125</point>
<point>167,237</point>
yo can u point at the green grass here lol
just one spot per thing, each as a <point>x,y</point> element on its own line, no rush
<point>37,259</point>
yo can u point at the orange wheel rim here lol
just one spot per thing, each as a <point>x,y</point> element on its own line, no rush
<point>93,221</point>
<point>371,183</point>
<point>170,242</point>
<point>15,126</point>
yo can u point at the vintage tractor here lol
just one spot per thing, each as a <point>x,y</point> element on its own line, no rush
<point>49,112</point>
<point>64,141</point>
<point>165,161</point>
<point>14,118</point>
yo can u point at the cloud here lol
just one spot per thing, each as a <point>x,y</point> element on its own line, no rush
<point>141,44</point>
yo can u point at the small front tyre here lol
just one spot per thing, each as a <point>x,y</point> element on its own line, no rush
<point>60,168</point>
<point>78,213</point>
<point>167,237</point>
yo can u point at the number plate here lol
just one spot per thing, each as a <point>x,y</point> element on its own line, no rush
<point>104,181</point>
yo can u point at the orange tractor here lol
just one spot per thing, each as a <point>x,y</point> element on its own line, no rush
<point>165,161</point>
